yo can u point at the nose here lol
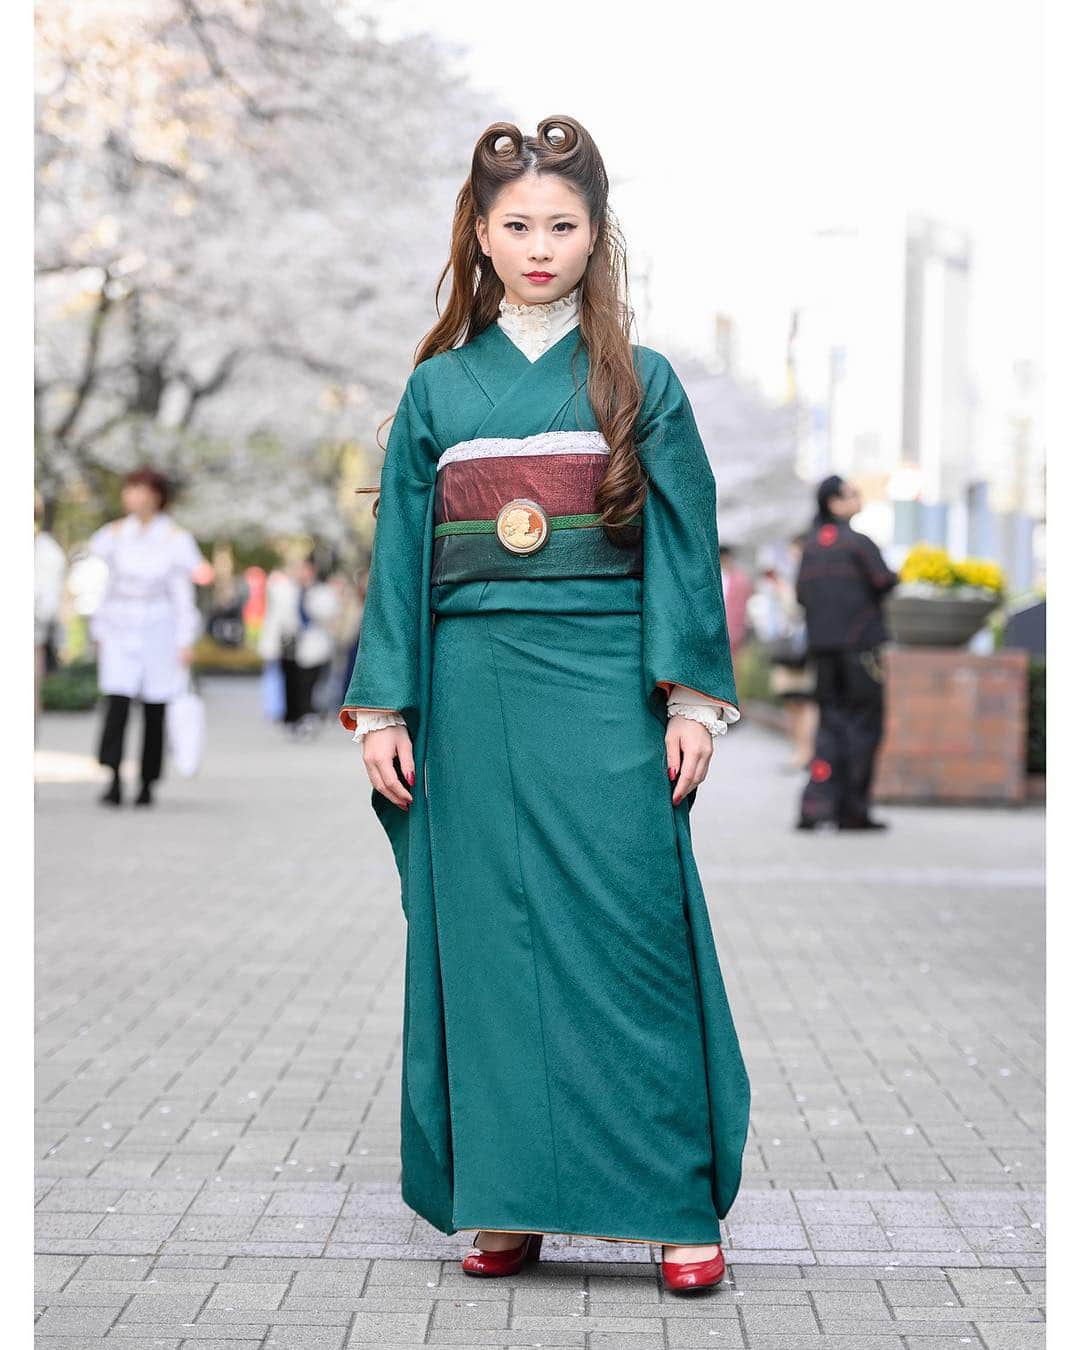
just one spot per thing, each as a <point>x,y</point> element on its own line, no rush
<point>540,246</point>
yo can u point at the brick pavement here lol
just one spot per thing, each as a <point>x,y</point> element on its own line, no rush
<point>219,986</point>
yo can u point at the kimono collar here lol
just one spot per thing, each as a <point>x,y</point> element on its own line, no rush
<point>535,328</point>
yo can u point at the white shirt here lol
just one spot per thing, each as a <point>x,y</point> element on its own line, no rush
<point>533,329</point>
<point>148,612</point>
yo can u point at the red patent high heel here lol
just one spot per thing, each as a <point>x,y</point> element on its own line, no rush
<point>508,1262</point>
<point>690,1275</point>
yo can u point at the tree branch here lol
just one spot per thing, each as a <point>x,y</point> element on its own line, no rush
<point>316,364</point>
<point>198,23</point>
<point>86,383</point>
<point>207,388</point>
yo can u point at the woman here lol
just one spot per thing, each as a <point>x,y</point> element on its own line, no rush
<point>145,625</point>
<point>544,636</point>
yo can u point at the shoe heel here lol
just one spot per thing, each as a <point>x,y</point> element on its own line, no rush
<point>532,1251</point>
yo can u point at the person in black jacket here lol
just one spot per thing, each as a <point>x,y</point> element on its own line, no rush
<point>841,583</point>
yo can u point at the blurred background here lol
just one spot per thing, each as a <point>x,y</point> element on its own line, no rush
<point>833,228</point>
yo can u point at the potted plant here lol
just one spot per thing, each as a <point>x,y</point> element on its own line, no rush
<point>942,602</point>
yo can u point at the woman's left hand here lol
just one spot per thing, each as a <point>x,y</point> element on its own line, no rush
<point>689,750</point>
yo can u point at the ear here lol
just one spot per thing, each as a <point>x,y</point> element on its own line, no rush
<point>482,234</point>
<point>595,230</point>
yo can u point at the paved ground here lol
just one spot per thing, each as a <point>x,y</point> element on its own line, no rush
<point>219,985</point>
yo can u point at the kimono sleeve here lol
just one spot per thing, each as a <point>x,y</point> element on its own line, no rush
<point>386,673</point>
<point>685,634</point>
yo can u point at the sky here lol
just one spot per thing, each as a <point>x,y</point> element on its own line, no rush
<point>739,138</point>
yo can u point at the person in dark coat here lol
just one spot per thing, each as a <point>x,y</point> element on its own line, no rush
<point>841,584</point>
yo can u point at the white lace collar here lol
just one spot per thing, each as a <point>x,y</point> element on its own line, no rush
<point>535,328</point>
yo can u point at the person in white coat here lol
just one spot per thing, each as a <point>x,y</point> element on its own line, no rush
<point>145,625</point>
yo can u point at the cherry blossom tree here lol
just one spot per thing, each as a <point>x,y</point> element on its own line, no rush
<point>243,206</point>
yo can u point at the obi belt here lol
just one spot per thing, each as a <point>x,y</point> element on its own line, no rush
<point>523,507</point>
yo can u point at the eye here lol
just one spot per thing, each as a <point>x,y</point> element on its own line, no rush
<point>513,225</point>
<point>569,226</point>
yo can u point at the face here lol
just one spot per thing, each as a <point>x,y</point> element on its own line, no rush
<point>847,502</point>
<point>538,238</point>
<point>139,500</point>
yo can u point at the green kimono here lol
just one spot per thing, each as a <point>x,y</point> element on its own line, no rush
<point>570,1064</point>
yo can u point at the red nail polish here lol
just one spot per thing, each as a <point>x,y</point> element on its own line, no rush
<point>672,774</point>
<point>410,777</point>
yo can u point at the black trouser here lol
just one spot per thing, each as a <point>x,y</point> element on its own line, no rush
<point>851,698</point>
<point>112,735</point>
<point>300,682</point>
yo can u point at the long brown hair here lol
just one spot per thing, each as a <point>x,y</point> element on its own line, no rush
<point>563,146</point>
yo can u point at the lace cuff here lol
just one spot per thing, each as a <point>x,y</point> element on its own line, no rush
<point>374,721</point>
<point>679,693</point>
<point>708,716</point>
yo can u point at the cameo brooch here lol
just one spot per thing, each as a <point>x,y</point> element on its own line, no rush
<point>522,526</point>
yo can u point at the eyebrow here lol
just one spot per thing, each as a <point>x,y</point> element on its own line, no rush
<point>520,215</point>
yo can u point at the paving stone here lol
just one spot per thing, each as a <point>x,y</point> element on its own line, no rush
<point>375,1327</point>
<point>1012,1335</point>
<point>471,1313</point>
<point>229,1297</point>
<point>91,1321</point>
<point>829,1303</point>
<point>53,1272</point>
<point>304,1338</point>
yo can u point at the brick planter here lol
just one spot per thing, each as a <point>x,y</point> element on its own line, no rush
<point>956,726</point>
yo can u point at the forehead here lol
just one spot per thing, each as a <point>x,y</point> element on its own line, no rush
<point>539,195</point>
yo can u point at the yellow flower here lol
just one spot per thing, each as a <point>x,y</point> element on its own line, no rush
<point>928,563</point>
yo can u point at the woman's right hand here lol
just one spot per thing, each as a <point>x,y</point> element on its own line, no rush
<point>380,750</point>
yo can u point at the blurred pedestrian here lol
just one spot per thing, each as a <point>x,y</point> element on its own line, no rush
<point>346,629</point>
<point>359,591</point>
<point>298,631</point>
<point>228,597</point>
<point>842,581</point>
<point>738,588</point>
<point>320,613</point>
<point>50,572</point>
<point>780,625</point>
<point>146,624</point>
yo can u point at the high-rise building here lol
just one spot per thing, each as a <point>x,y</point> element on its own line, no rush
<point>935,428</point>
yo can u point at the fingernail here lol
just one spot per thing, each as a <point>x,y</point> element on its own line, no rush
<point>410,777</point>
<point>671,773</point>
